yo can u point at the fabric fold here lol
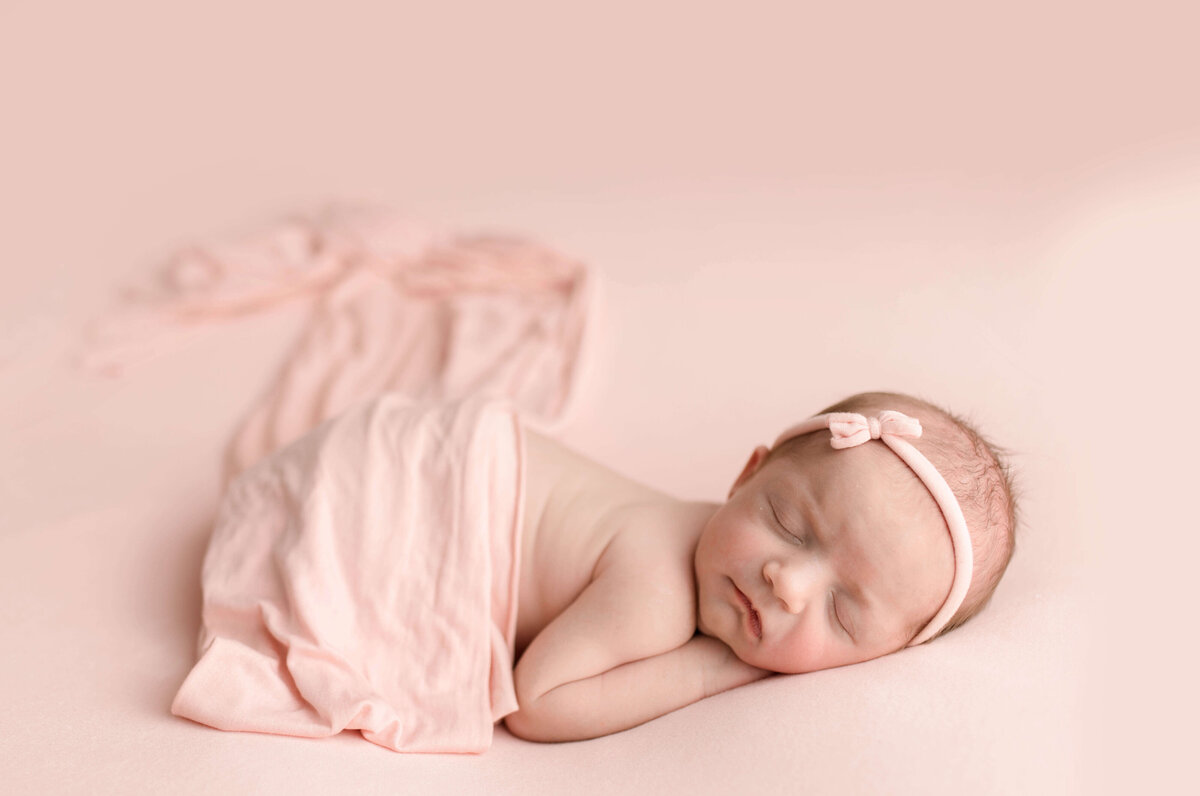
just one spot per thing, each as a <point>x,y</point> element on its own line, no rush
<point>365,578</point>
<point>363,569</point>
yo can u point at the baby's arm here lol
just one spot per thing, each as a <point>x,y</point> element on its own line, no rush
<point>634,693</point>
<point>618,656</point>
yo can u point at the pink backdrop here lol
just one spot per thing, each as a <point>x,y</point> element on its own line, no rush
<point>995,209</point>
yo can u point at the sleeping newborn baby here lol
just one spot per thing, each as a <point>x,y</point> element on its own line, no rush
<point>383,572</point>
<point>878,524</point>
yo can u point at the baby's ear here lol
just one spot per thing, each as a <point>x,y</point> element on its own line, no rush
<point>752,465</point>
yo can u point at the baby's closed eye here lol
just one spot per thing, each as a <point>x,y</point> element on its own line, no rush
<point>784,526</point>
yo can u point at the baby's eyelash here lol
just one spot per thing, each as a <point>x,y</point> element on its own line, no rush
<point>779,522</point>
<point>837,619</point>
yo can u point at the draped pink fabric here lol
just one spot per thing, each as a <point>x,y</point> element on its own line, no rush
<point>398,305</point>
<point>365,578</point>
<point>363,570</point>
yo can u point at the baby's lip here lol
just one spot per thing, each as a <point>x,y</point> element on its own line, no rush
<point>752,614</point>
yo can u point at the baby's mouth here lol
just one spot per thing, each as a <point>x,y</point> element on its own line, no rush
<point>755,619</point>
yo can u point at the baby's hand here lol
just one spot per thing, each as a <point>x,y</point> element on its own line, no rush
<point>723,669</point>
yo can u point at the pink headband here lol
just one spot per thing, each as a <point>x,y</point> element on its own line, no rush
<point>850,429</point>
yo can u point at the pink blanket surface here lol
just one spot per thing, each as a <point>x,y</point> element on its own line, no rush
<point>365,577</point>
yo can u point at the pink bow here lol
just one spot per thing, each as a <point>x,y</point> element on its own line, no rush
<point>850,428</point>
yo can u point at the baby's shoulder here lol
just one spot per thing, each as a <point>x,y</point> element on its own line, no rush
<point>652,551</point>
<point>581,518</point>
<point>645,580</point>
<point>651,540</point>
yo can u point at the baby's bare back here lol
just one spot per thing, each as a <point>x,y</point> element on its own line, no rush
<point>606,617</point>
<point>579,517</point>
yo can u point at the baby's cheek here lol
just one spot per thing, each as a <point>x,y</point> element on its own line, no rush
<point>721,543</point>
<point>741,538</point>
<point>807,650</point>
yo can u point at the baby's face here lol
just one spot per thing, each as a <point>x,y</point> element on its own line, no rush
<point>838,567</point>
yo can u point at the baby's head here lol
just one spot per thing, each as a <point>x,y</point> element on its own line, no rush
<point>826,555</point>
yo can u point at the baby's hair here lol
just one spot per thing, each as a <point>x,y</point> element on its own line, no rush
<point>977,472</point>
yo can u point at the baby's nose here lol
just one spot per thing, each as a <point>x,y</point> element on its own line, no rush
<point>787,583</point>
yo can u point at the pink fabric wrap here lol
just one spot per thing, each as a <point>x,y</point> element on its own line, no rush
<point>365,577</point>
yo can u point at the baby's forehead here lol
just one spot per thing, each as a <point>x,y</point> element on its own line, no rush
<point>868,486</point>
<point>868,467</point>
